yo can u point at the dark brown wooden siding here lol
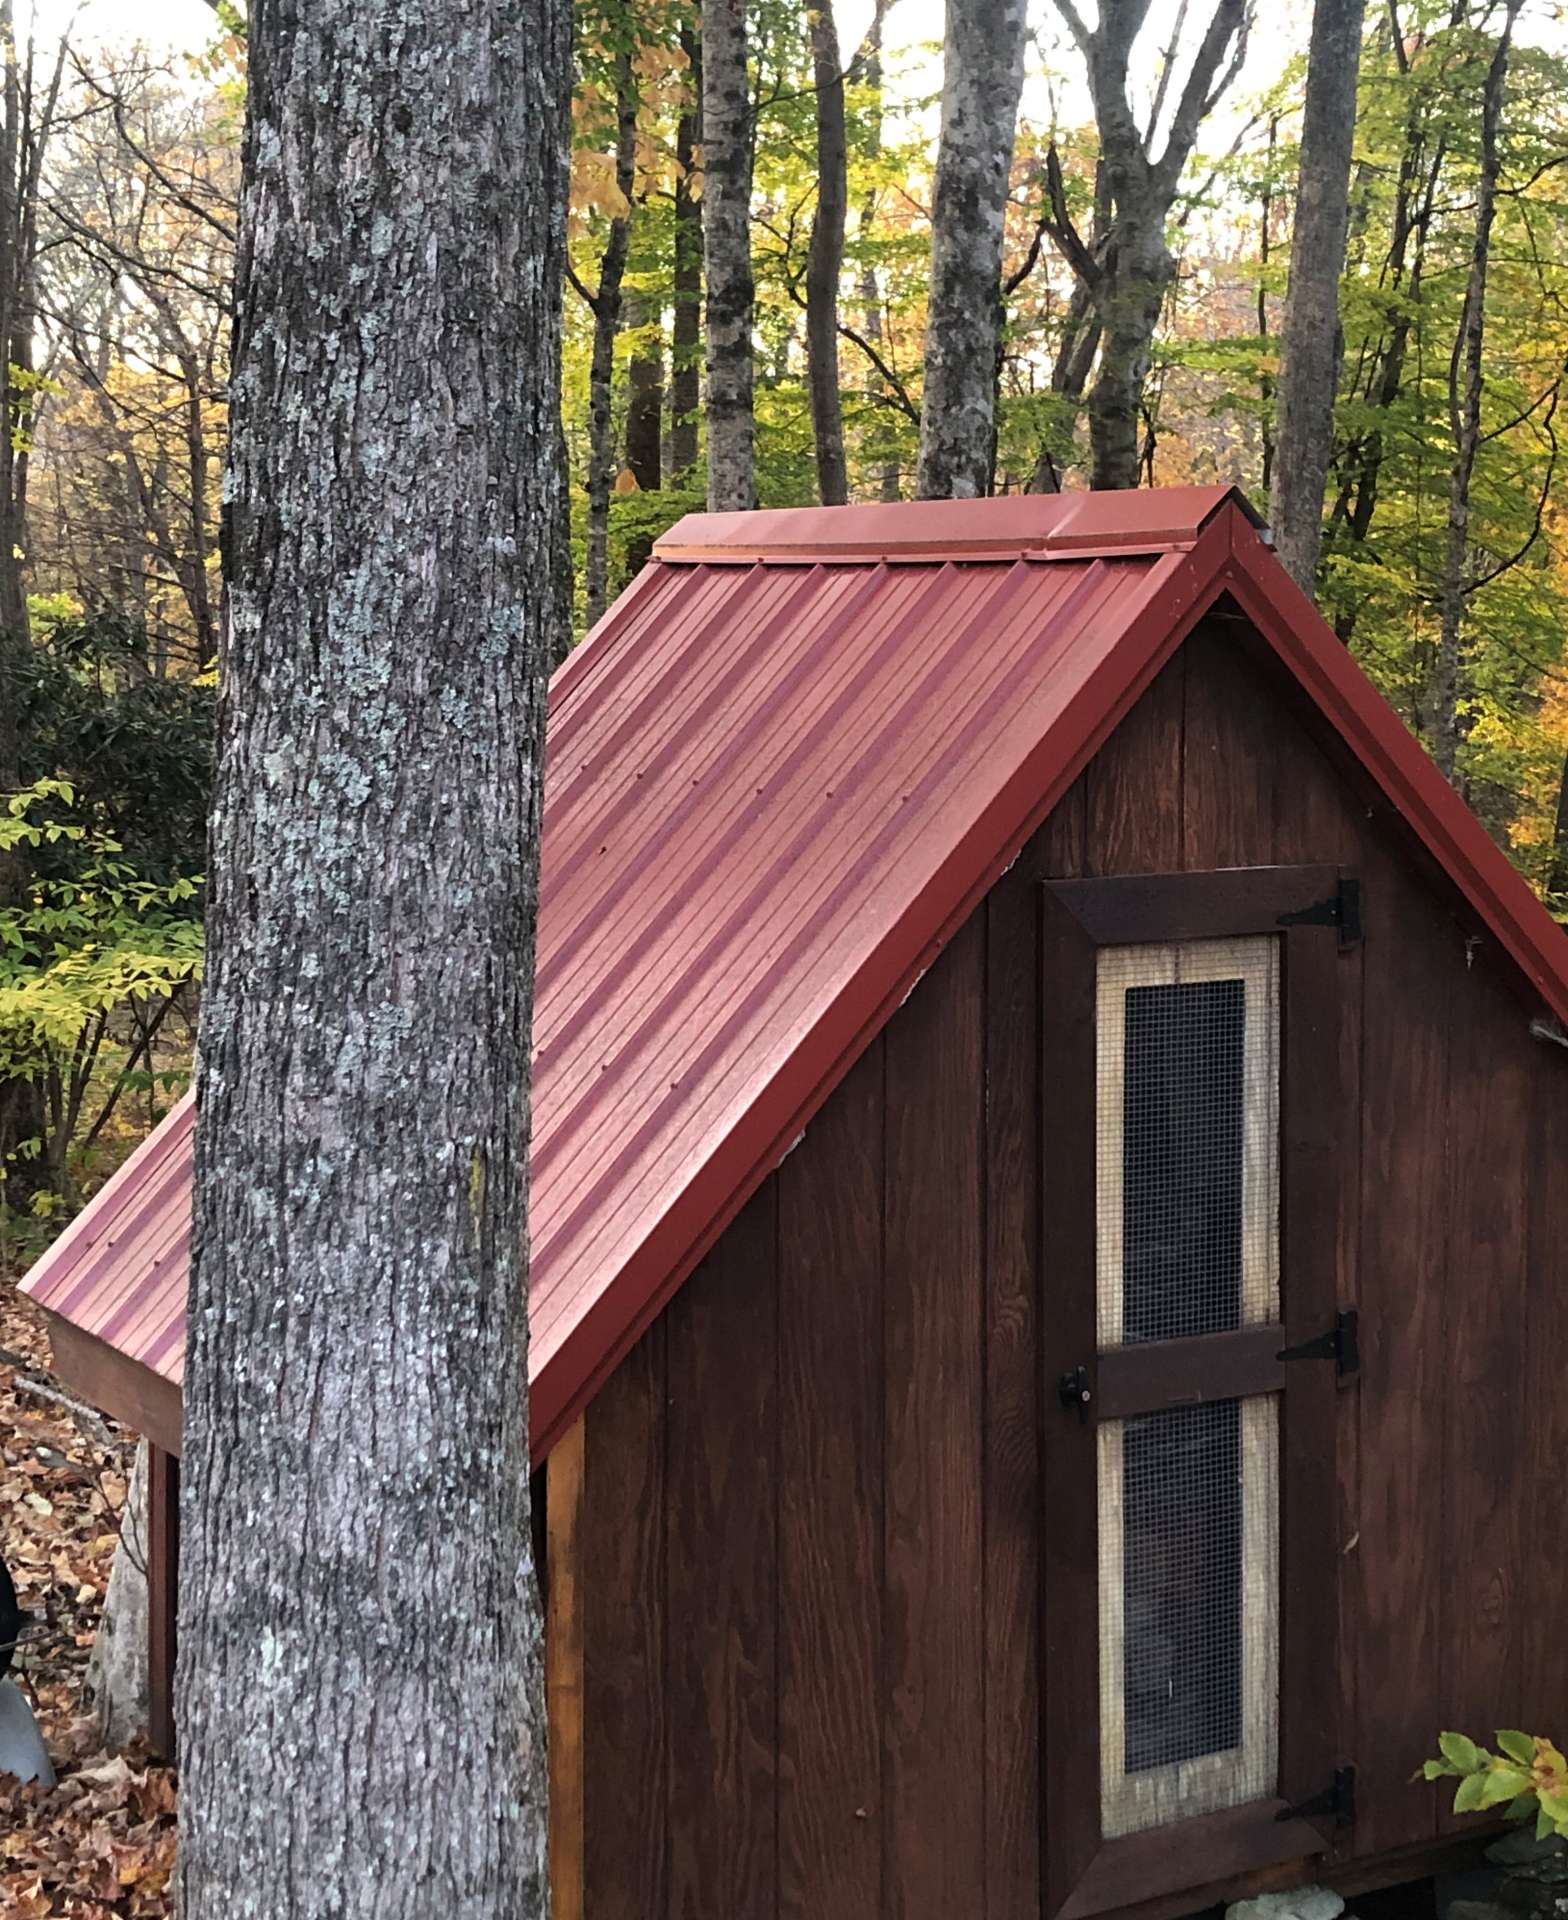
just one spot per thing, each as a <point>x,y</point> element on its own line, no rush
<point>812,1508</point>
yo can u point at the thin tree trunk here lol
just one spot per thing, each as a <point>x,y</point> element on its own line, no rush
<point>981,82</point>
<point>890,487</point>
<point>826,259</point>
<point>1267,387</point>
<point>686,326</point>
<point>361,1716</point>
<point>1557,876</point>
<point>1465,384</point>
<point>644,393</point>
<point>606,328</point>
<point>1313,342</point>
<point>728,149</point>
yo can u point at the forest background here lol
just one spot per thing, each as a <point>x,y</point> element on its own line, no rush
<point>119,175</point>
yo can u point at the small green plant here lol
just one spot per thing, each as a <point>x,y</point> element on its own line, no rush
<point>1528,1775</point>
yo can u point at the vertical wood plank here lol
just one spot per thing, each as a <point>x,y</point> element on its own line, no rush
<point>1011,1465</point>
<point>830,1506</point>
<point>1317,819</point>
<point>1481,1591</point>
<point>1396,1566</point>
<point>1069,1541</point>
<point>1133,808</point>
<point>163,1555</point>
<point>1544,1437</point>
<point>621,1531</point>
<point>564,1673</point>
<point>722,1368</point>
<point>934,1618</point>
<point>1227,771</point>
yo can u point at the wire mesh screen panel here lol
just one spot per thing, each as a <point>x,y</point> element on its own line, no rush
<point>1189,1612</point>
<point>1187,1157</point>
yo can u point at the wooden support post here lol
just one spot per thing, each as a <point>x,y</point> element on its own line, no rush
<point>564,1674</point>
<point>163,1552</point>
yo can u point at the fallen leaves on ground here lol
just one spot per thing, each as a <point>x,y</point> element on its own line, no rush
<point>100,1844</point>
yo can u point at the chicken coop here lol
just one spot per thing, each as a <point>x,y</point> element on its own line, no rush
<point>1050,1197</point>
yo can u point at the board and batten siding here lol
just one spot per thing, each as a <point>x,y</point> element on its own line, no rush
<point>812,1501</point>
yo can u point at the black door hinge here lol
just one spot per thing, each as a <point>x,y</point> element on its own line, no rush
<point>1341,909</point>
<point>1336,1802</point>
<point>1341,1344</point>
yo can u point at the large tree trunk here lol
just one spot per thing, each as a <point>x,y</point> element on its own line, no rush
<point>981,81</point>
<point>606,328</point>
<point>728,149</point>
<point>1465,383</point>
<point>1313,341</point>
<point>361,1719</point>
<point>686,325</point>
<point>826,260</point>
<point>1129,267</point>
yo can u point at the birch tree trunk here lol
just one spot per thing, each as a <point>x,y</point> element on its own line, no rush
<point>1313,339</point>
<point>1465,383</point>
<point>686,323</point>
<point>728,150</point>
<point>982,79</point>
<point>360,1715</point>
<point>826,260</point>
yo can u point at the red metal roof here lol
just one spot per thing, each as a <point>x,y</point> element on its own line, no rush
<point>781,772</point>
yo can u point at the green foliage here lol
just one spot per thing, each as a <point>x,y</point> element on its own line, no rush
<point>1526,1776</point>
<point>93,959</point>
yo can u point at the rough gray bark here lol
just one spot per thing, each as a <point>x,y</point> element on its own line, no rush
<point>1313,340</point>
<point>1129,272</point>
<point>826,260</point>
<point>982,77</point>
<point>360,1717</point>
<point>1465,384</point>
<point>729,135</point>
<point>606,304</point>
<point>686,324</point>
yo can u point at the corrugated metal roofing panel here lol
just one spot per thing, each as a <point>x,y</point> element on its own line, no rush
<point>773,790</point>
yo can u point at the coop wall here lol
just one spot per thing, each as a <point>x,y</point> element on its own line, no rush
<point>807,1509</point>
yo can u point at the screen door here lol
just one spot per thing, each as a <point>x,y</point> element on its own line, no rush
<point>1187,1211</point>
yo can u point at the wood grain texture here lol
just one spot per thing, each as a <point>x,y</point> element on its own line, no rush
<point>626,1697</point>
<point>1404,1233</point>
<point>934,1618</point>
<point>563,1672</point>
<point>1011,1428</point>
<point>1227,759</point>
<point>830,1506</point>
<point>1483,1592</point>
<point>1134,789</point>
<point>1545,1438</point>
<point>722,1548</point>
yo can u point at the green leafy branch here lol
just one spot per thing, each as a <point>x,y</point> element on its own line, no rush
<point>1528,1776</point>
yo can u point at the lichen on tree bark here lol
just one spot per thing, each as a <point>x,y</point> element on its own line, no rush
<point>981,83</point>
<point>728,146</point>
<point>360,1696</point>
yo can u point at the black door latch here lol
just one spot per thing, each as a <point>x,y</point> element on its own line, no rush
<point>1336,1802</point>
<point>1341,1344</point>
<point>1073,1391</point>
